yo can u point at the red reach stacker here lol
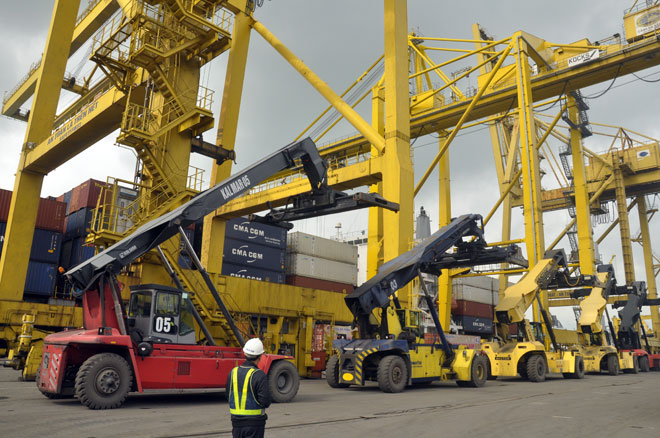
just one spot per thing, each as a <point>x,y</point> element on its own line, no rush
<point>152,344</point>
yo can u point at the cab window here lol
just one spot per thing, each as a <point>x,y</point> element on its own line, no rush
<point>140,304</point>
<point>414,319</point>
<point>186,320</point>
<point>167,304</point>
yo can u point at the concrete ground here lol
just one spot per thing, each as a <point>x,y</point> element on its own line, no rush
<point>598,406</point>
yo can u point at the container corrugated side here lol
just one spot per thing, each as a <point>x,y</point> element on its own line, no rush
<point>40,279</point>
<point>482,282</point>
<point>254,232</point>
<point>80,251</point>
<point>46,246</point>
<point>324,269</point>
<point>78,223</point>
<point>50,213</point>
<point>315,283</point>
<point>472,308</point>
<point>468,293</point>
<point>244,253</point>
<point>252,273</point>
<point>303,243</point>
<point>85,195</point>
<point>475,325</point>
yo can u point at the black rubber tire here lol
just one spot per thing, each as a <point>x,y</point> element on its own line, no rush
<point>490,373</point>
<point>579,369</point>
<point>612,365</point>
<point>644,365</point>
<point>392,374</point>
<point>478,372</point>
<point>522,370</point>
<point>635,368</point>
<point>103,381</point>
<point>332,373</point>
<point>283,381</point>
<point>536,368</point>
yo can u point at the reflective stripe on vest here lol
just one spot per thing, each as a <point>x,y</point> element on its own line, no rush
<point>240,401</point>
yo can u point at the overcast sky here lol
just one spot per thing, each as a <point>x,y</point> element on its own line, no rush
<point>339,39</point>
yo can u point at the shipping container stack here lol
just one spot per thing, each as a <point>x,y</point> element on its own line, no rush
<point>255,251</point>
<point>476,298</point>
<point>80,201</point>
<point>46,245</point>
<point>319,263</point>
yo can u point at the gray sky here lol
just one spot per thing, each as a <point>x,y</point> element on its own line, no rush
<point>339,40</point>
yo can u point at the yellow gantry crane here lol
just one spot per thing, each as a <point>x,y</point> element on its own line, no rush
<point>150,53</point>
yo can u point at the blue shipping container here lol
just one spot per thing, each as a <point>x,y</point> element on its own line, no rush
<point>46,245</point>
<point>80,251</point>
<point>255,232</point>
<point>40,278</point>
<point>475,325</point>
<point>252,273</point>
<point>78,224</point>
<point>250,254</point>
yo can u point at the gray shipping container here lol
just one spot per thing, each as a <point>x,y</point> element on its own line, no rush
<point>302,243</point>
<point>481,289</point>
<point>322,269</point>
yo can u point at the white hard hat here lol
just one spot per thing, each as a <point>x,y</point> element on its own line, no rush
<point>253,347</point>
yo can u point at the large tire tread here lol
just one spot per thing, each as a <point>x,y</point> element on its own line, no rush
<point>86,390</point>
<point>283,369</point>
<point>644,364</point>
<point>332,373</point>
<point>478,373</point>
<point>392,374</point>
<point>536,368</point>
<point>612,365</point>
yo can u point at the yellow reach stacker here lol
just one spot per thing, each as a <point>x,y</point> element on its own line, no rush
<point>527,354</point>
<point>592,343</point>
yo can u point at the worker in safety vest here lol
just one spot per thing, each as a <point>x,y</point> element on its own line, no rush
<point>248,394</point>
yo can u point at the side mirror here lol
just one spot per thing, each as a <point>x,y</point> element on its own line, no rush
<point>145,349</point>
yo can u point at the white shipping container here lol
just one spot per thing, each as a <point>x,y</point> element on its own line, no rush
<point>476,294</point>
<point>303,243</point>
<point>481,282</point>
<point>322,269</point>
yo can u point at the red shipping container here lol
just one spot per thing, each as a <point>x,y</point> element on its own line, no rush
<point>471,308</point>
<point>86,195</point>
<point>319,358</point>
<point>315,283</point>
<point>50,215</point>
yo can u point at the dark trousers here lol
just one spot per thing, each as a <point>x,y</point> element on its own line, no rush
<point>248,431</point>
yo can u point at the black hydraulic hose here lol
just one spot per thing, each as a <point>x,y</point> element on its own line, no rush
<point>179,286</point>
<point>548,323</point>
<point>211,286</point>
<point>446,346</point>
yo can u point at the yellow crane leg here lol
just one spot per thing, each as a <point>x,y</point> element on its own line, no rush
<point>375,237</point>
<point>582,206</point>
<point>213,239</point>
<point>398,183</point>
<point>444,218</point>
<point>651,285</point>
<point>27,185</point>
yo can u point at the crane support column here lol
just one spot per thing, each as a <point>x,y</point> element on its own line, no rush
<point>582,208</point>
<point>375,236</point>
<point>624,223</point>
<point>651,285</point>
<point>398,170</point>
<point>213,240</point>
<point>27,185</point>
<point>534,240</point>
<point>444,218</point>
